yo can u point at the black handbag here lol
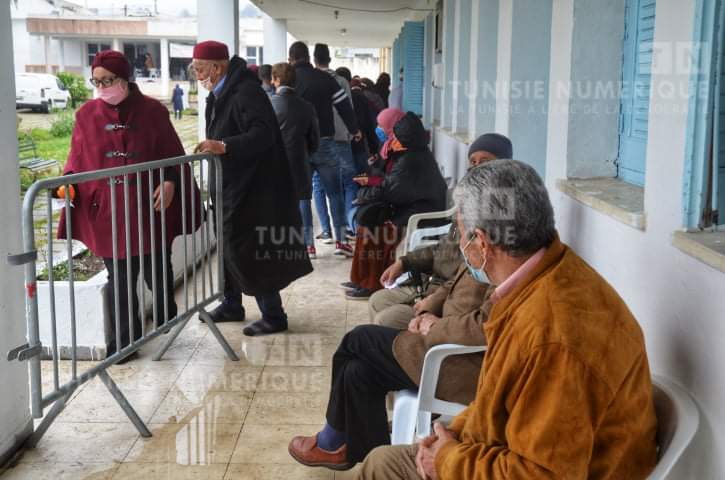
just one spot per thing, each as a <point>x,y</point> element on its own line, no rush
<point>373,214</point>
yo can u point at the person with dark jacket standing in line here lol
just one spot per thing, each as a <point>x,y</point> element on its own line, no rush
<point>301,134</point>
<point>265,75</point>
<point>342,142</point>
<point>323,92</point>
<point>382,86</point>
<point>366,119</point>
<point>262,251</point>
<point>362,150</point>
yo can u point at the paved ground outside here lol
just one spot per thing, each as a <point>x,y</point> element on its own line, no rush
<point>210,418</point>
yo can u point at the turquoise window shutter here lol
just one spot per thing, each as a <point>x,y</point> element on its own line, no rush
<point>635,99</point>
<point>414,44</point>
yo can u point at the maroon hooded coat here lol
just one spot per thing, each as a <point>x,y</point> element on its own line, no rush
<point>135,131</point>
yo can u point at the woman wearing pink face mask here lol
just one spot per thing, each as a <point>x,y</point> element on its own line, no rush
<point>120,127</point>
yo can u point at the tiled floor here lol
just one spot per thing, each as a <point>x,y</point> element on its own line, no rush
<point>210,418</point>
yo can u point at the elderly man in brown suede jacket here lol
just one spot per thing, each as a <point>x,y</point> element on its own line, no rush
<point>565,391</point>
<point>395,307</point>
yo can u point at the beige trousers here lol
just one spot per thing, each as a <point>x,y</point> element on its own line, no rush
<point>391,462</point>
<point>392,307</point>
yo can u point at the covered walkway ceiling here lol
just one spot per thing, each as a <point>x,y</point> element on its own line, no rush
<point>369,23</point>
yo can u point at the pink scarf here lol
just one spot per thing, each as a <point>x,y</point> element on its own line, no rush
<point>387,119</point>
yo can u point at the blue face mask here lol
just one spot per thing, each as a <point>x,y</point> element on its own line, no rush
<point>381,134</point>
<point>478,274</point>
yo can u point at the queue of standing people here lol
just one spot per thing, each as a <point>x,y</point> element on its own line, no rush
<point>286,134</point>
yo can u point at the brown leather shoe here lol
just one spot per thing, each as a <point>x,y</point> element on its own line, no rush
<point>306,451</point>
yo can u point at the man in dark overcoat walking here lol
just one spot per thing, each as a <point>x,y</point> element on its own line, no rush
<point>263,247</point>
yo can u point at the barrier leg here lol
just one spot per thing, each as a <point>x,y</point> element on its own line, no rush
<point>220,338</point>
<point>47,421</point>
<point>169,341</point>
<point>123,403</point>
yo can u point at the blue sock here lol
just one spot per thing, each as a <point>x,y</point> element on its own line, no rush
<point>330,439</point>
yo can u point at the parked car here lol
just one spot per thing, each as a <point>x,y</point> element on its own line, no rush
<point>40,91</point>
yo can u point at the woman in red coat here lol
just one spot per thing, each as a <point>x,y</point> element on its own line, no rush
<point>123,127</point>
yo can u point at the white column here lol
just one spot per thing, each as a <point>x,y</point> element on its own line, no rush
<point>217,20</point>
<point>275,40</point>
<point>46,49</point>
<point>61,55</point>
<point>116,45</point>
<point>15,422</point>
<point>503,62</point>
<point>473,70</point>
<point>164,65</point>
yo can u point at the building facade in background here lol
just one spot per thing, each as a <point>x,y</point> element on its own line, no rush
<point>65,36</point>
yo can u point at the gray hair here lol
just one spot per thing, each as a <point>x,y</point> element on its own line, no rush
<point>508,201</point>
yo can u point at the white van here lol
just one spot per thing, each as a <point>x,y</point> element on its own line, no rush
<point>40,91</point>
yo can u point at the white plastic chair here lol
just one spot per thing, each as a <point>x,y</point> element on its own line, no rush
<point>416,237</point>
<point>677,421</point>
<point>412,410</point>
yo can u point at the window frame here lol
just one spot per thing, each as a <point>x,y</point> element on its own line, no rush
<point>699,116</point>
<point>99,47</point>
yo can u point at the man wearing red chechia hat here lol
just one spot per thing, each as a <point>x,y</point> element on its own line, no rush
<point>123,127</point>
<point>264,250</point>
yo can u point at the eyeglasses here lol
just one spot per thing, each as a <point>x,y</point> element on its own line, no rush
<point>106,82</point>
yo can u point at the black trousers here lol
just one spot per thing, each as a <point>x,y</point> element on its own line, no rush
<point>159,298</point>
<point>364,370</point>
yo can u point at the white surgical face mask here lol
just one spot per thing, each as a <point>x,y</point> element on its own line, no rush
<point>478,274</point>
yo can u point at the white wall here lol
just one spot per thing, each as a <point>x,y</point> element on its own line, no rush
<point>21,44</point>
<point>15,421</point>
<point>678,301</point>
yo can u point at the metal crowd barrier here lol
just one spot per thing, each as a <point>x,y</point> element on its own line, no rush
<point>124,182</point>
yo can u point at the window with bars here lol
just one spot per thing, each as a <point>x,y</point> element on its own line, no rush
<point>94,48</point>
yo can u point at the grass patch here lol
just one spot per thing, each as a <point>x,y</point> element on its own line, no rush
<point>55,148</point>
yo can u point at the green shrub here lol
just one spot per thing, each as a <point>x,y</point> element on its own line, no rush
<point>40,134</point>
<point>62,125</point>
<point>76,85</point>
<point>26,179</point>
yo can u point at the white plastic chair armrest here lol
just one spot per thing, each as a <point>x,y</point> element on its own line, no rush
<point>427,402</point>
<point>418,236</point>
<point>415,219</point>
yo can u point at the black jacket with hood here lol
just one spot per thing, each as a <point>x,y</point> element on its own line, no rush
<point>414,184</point>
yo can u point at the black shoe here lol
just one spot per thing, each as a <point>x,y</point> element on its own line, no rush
<point>358,294</point>
<point>349,286</point>
<point>227,311</point>
<point>326,238</point>
<point>350,235</point>
<point>264,327</point>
